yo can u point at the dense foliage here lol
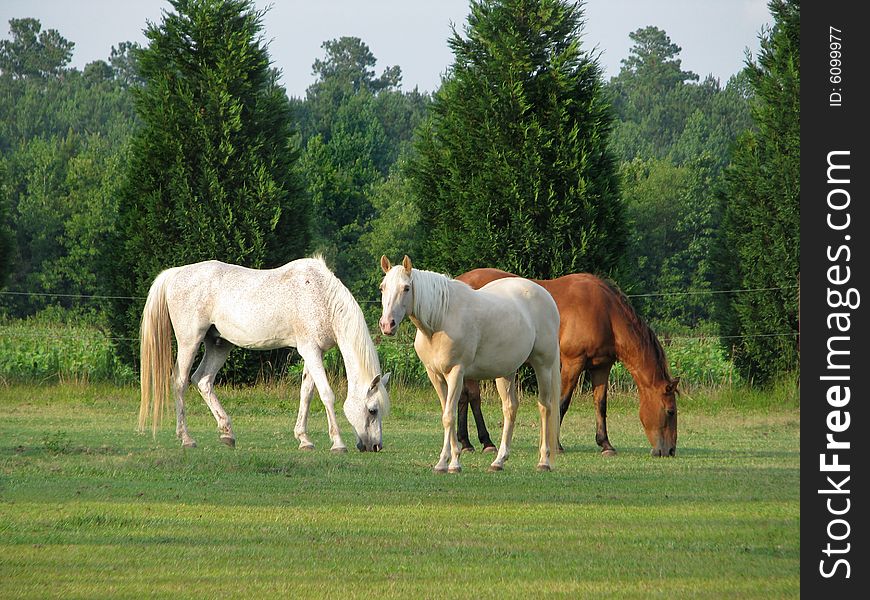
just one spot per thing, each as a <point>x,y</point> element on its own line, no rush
<point>760,245</point>
<point>513,169</point>
<point>212,172</point>
<point>524,159</point>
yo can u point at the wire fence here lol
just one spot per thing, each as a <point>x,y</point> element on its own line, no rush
<point>374,332</point>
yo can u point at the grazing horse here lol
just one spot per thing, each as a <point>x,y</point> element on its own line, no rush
<point>301,304</point>
<point>598,327</point>
<point>481,334</point>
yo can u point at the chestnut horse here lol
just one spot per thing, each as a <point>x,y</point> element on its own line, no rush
<point>598,327</point>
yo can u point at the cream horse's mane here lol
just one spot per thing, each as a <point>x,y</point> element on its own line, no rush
<point>431,296</point>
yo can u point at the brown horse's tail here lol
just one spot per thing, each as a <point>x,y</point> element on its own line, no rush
<point>155,353</point>
<point>555,420</point>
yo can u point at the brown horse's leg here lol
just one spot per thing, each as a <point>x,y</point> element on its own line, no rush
<point>599,378</point>
<point>462,419</point>
<point>571,370</point>
<point>482,432</point>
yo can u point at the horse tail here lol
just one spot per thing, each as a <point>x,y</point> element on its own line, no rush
<point>555,419</point>
<point>155,353</point>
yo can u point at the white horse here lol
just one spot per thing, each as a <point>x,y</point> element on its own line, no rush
<point>301,304</point>
<point>479,334</point>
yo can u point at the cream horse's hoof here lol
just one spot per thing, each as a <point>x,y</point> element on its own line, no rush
<point>228,440</point>
<point>338,450</point>
<point>454,470</point>
<point>308,447</point>
<point>188,444</point>
<point>495,468</point>
<point>543,468</point>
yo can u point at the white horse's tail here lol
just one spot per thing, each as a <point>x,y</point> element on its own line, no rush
<point>155,353</point>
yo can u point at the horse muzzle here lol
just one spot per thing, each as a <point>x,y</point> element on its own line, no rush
<point>370,448</point>
<point>664,452</point>
<point>388,326</point>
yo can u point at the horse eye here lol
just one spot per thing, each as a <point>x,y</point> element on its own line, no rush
<point>373,411</point>
<point>407,288</point>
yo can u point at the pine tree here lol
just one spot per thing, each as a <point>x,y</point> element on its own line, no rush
<point>213,170</point>
<point>512,168</point>
<point>761,228</point>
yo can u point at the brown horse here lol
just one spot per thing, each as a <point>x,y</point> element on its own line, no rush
<point>598,327</point>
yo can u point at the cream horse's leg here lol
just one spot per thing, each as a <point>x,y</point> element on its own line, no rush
<point>306,392</point>
<point>507,391</point>
<point>313,358</point>
<point>453,381</point>
<point>549,385</point>
<point>216,352</point>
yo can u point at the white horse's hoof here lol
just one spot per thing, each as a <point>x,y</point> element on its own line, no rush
<point>544,468</point>
<point>338,450</point>
<point>456,469</point>
<point>495,468</point>
<point>439,469</point>
<point>188,444</point>
<point>229,441</point>
<point>307,446</point>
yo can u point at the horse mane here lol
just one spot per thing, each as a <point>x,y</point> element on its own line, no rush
<point>431,297</point>
<point>350,324</point>
<point>645,335</point>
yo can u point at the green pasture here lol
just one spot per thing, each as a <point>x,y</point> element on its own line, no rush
<point>91,509</point>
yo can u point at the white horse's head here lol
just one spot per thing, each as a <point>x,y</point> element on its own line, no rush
<point>397,297</point>
<point>365,408</point>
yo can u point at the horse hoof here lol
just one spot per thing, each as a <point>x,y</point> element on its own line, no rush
<point>489,449</point>
<point>229,441</point>
<point>437,469</point>
<point>608,452</point>
<point>561,450</point>
<point>454,470</point>
<point>338,450</point>
<point>544,468</point>
<point>495,468</point>
<point>189,444</point>
<point>306,447</point>
<point>467,449</point>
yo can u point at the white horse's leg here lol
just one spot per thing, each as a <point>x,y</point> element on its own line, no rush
<point>313,358</point>
<point>216,352</point>
<point>507,391</point>
<point>306,391</point>
<point>183,363</point>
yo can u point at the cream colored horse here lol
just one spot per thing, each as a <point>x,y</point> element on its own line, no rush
<point>479,334</point>
<point>220,306</point>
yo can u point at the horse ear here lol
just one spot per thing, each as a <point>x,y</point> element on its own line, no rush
<point>672,386</point>
<point>374,384</point>
<point>406,262</point>
<point>385,264</point>
<point>385,379</point>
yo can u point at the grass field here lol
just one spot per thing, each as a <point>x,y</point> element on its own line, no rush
<point>90,509</point>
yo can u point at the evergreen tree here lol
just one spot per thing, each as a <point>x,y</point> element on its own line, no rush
<point>212,172</point>
<point>761,229</point>
<point>512,168</point>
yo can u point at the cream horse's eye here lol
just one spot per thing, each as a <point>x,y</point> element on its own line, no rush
<point>407,288</point>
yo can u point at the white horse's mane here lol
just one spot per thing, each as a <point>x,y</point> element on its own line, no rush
<point>431,297</point>
<point>350,325</point>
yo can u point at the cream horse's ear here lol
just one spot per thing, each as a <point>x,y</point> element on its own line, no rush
<point>406,262</point>
<point>385,264</point>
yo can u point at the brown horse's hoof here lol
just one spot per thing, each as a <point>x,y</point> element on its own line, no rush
<point>229,441</point>
<point>495,468</point>
<point>560,450</point>
<point>467,449</point>
<point>543,468</point>
<point>608,452</point>
<point>489,449</point>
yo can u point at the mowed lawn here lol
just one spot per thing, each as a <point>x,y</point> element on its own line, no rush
<point>91,509</point>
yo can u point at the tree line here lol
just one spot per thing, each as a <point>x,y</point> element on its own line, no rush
<point>525,158</point>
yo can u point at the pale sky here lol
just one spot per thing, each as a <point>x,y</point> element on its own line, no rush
<point>413,33</point>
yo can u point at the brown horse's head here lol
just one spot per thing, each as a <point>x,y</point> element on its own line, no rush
<point>658,414</point>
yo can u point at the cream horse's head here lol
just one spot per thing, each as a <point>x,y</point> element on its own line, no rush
<point>397,296</point>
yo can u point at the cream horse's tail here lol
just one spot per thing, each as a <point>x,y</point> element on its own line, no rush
<point>155,353</point>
